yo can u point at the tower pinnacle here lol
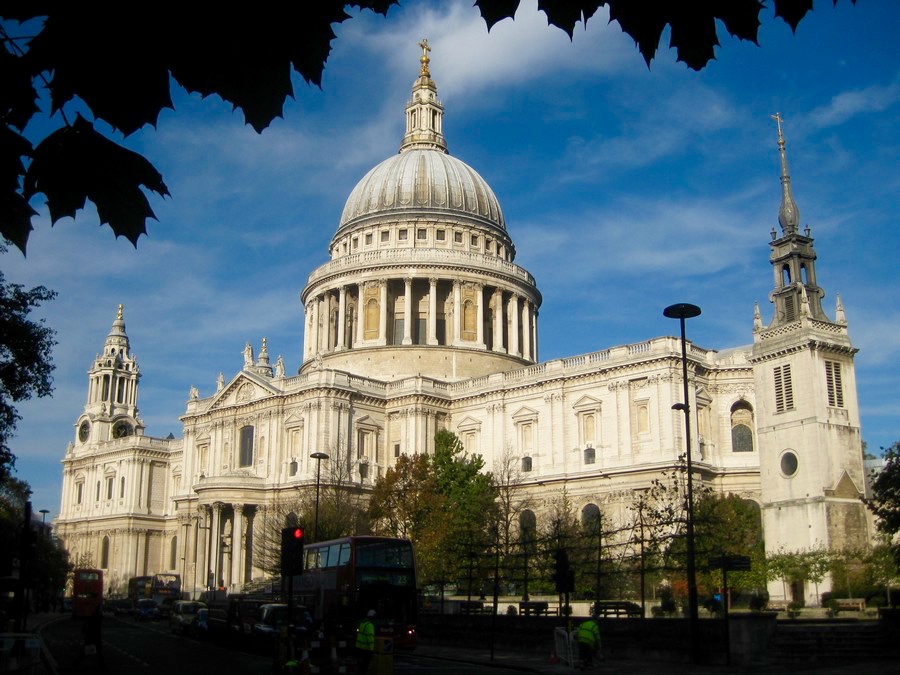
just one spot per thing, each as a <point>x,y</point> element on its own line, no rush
<point>788,214</point>
<point>424,112</point>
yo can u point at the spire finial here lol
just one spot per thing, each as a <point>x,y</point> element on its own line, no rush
<point>119,316</point>
<point>424,60</point>
<point>788,214</point>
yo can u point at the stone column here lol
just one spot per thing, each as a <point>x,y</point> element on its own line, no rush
<point>526,329</point>
<point>457,318</point>
<point>342,310</point>
<point>382,317</point>
<point>201,552</point>
<point>216,534</point>
<point>498,319</point>
<point>514,325</point>
<point>314,327</point>
<point>360,314</point>
<point>326,311</point>
<point>534,334</point>
<point>432,311</point>
<point>407,311</point>
<point>479,315</point>
<point>237,547</point>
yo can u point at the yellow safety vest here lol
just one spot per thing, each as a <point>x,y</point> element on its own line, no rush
<point>589,633</point>
<point>365,636</point>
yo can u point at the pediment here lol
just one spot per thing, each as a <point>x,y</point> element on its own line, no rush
<point>468,423</point>
<point>586,403</point>
<point>845,488</point>
<point>244,388</point>
<point>525,413</point>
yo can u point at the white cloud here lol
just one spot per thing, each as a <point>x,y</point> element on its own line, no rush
<point>846,105</point>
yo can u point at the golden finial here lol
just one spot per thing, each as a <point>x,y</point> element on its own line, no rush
<point>777,117</point>
<point>425,49</point>
<point>119,314</point>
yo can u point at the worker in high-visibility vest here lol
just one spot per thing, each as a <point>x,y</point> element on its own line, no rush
<point>365,642</point>
<point>588,638</point>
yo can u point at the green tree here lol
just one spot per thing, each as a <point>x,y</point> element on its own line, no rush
<point>885,499</point>
<point>111,69</point>
<point>26,363</point>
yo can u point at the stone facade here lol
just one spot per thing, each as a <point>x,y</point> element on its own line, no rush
<point>420,321</point>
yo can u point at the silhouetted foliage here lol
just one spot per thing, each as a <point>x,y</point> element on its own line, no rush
<point>885,500</point>
<point>119,67</point>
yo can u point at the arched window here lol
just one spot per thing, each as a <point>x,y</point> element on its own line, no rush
<point>245,457</point>
<point>468,327</point>
<point>173,553</point>
<point>741,427</point>
<point>527,527</point>
<point>590,518</point>
<point>785,275</point>
<point>104,553</point>
<point>371,319</point>
<point>590,455</point>
<point>526,464</point>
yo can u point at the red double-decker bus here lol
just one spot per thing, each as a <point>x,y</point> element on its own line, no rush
<point>345,578</point>
<point>87,591</point>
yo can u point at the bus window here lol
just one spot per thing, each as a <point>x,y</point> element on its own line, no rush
<point>345,555</point>
<point>334,555</point>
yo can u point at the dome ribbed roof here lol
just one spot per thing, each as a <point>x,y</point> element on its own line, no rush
<point>422,181</point>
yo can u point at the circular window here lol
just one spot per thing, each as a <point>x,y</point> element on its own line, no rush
<point>789,463</point>
<point>84,431</point>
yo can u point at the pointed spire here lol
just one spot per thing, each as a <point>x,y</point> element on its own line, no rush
<point>788,214</point>
<point>424,112</point>
<point>839,316</point>
<point>117,339</point>
<point>263,359</point>
<point>757,317</point>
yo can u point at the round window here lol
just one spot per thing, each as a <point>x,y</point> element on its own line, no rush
<point>789,463</point>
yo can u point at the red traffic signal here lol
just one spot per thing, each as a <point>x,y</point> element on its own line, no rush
<point>291,551</point>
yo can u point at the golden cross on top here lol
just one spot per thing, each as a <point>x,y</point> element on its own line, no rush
<point>778,118</point>
<point>425,49</point>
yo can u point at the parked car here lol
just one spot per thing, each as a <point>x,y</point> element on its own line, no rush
<point>146,610</point>
<point>183,613</point>
<point>122,607</point>
<point>272,618</point>
<point>198,628</point>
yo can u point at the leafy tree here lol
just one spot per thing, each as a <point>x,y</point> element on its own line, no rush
<point>118,71</point>
<point>885,499</point>
<point>25,360</point>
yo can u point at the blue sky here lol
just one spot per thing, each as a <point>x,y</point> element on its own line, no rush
<point>625,190</point>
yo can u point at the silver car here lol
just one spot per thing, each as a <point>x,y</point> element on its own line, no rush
<point>183,613</point>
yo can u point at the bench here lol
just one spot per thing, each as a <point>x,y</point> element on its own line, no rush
<point>534,608</point>
<point>471,607</point>
<point>848,604</point>
<point>607,608</point>
<point>777,605</point>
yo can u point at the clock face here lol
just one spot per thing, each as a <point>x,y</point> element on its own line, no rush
<point>84,431</point>
<point>121,430</point>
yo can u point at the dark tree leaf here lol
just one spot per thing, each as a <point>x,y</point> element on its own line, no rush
<point>116,67</point>
<point>645,27</point>
<point>792,11</point>
<point>565,14</point>
<point>741,18</point>
<point>694,34</point>
<point>379,6</point>
<point>18,98</point>
<point>15,213</point>
<point>76,163</point>
<point>493,11</point>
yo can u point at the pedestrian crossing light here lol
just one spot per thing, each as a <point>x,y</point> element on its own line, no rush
<point>291,551</point>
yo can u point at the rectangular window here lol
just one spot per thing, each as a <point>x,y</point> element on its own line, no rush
<point>97,497</point>
<point>401,235</point>
<point>385,236</point>
<point>369,239</point>
<point>110,482</point>
<point>396,450</point>
<point>122,487</point>
<point>474,240</point>
<point>246,449</point>
<point>79,493</point>
<point>355,243</point>
<point>834,384</point>
<point>457,237</point>
<point>784,389</point>
<point>421,234</point>
<point>440,235</point>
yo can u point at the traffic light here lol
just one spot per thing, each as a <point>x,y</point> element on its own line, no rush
<point>291,551</point>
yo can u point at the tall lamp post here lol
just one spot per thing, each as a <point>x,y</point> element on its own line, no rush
<point>318,456</point>
<point>682,311</point>
<point>43,513</point>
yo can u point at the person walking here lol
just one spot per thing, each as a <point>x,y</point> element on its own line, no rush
<point>365,642</point>
<point>588,637</point>
<point>92,630</point>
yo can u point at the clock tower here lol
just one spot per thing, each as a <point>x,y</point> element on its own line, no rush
<point>111,411</point>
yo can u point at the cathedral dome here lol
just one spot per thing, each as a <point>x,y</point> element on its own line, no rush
<point>422,182</point>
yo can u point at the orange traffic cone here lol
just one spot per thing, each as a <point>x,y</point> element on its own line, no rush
<point>553,659</point>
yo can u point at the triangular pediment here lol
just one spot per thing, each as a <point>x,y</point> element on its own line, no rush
<point>244,388</point>
<point>845,488</point>
<point>586,403</point>
<point>468,423</point>
<point>525,413</point>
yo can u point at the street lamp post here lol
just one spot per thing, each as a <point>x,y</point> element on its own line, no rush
<point>682,311</point>
<point>318,456</point>
<point>43,513</point>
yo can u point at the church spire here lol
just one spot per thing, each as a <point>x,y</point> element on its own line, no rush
<point>424,112</point>
<point>788,214</point>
